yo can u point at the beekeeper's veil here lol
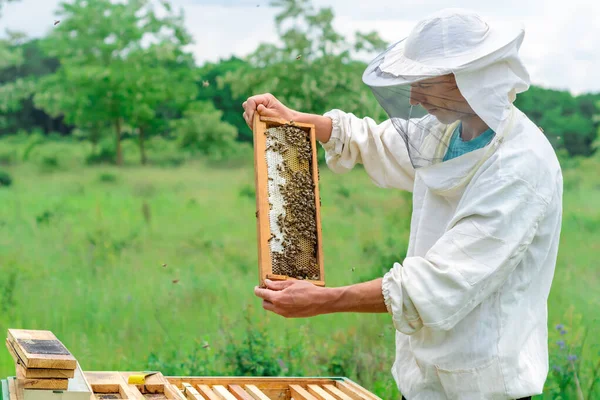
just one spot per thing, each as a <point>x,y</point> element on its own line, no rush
<point>488,73</point>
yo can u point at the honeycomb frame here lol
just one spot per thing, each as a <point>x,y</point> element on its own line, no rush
<point>261,126</point>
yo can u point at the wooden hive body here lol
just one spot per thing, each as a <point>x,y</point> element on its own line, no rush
<point>152,385</point>
<point>114,385</point>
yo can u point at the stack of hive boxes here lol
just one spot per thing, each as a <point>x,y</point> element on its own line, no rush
<point>44,367</point>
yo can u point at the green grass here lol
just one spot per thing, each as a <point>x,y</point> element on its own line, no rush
<point>82,253</point>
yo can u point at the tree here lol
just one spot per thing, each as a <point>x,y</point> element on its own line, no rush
<point>11,93</point>
<point>567,121</point>
<point>212,87</point>
<point>201,130</point>
<point>313,70</point>
<point>117,63</point>
<point>161,76</point>
<point>17,85</point>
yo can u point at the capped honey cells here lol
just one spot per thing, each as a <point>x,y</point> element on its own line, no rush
<point>292,209</point>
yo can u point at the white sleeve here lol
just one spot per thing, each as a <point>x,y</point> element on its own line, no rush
<point>493,226</point>
<point>380,149</point>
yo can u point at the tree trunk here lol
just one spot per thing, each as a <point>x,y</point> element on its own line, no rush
<point>118,141</point>
<point>94,138</point>
<point>142,148</point>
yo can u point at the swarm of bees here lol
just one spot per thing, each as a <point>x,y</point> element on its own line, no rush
<point>297,223</point>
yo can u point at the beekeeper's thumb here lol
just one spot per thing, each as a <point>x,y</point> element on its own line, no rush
<point>267,112</point>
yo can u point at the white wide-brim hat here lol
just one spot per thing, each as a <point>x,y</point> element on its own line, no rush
<point>448,41</point>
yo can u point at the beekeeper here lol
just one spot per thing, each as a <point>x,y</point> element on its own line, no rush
<point>469,302</point>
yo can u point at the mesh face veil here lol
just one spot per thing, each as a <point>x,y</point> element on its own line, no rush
<point>452,69</point>
<point>428,115</point>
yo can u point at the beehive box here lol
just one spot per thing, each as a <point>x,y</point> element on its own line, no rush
<point>114,385</point>
<point>263,388</point>
<point>288,206</point>
<point>152,385</point>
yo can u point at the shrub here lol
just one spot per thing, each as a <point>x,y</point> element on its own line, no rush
<point>105,155</point>
<point>201,130</point>
<point>248,191</point>
<point>107,177</point>
<point>5,179</point>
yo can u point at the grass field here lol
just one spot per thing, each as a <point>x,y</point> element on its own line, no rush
<point>82,253</point>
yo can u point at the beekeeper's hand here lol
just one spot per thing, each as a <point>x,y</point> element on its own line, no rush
<point>299,299</point>
<point>292,298</point>
<point>266,105</point>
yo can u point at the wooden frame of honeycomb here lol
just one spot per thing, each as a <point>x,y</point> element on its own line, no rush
<point>287,201</point>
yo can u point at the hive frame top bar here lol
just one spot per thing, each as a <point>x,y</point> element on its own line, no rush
<point>260,125</point>
<point>280,121</point>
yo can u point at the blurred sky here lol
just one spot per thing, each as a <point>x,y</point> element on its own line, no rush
<point>561,47</point>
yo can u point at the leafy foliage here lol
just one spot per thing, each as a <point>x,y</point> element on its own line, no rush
<point>313,71</point>
<point>5,179</point>
<point>120,70</point>
<point>201,130</point>
<point>567,121</point>
<point>108,76</point>
<point>18,84</point>
<point>212,87</point>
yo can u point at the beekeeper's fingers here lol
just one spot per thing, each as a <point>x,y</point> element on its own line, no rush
<point>265,294</point>
<point>278,285</point>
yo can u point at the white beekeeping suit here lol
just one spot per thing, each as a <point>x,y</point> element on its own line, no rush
<point>469,302</point>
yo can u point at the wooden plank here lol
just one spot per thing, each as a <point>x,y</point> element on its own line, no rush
<point>361,389</point>
<point>262,199</point>
<point>12,388</point>
<point>272,387</point>
<point>172,392</point>
<point>132,391</point>
<point>41,373</point>
<point>40,349</point>
<point>260,381</point>
<point>178,392</point>
<point>274,277</point>
<point>239,393</point>
<point>13,353</point>
<point>279,122</point>
<point>48,384</point>
<point>337,393</point>
<point>191,393</point>
<point>256,393</point>
<point>154,384</point>
<point>207,392</point>
<point>113,382</point>
<point>299,393</point>
<point>350,391</point>
<point>18,389</point>
<point>37,383</point>
<point>104,382</point>
<point>223,393</point>
<point>78,389</point>
<point>155,396</point>
<point>315,175</point>
<point>319,392</point>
